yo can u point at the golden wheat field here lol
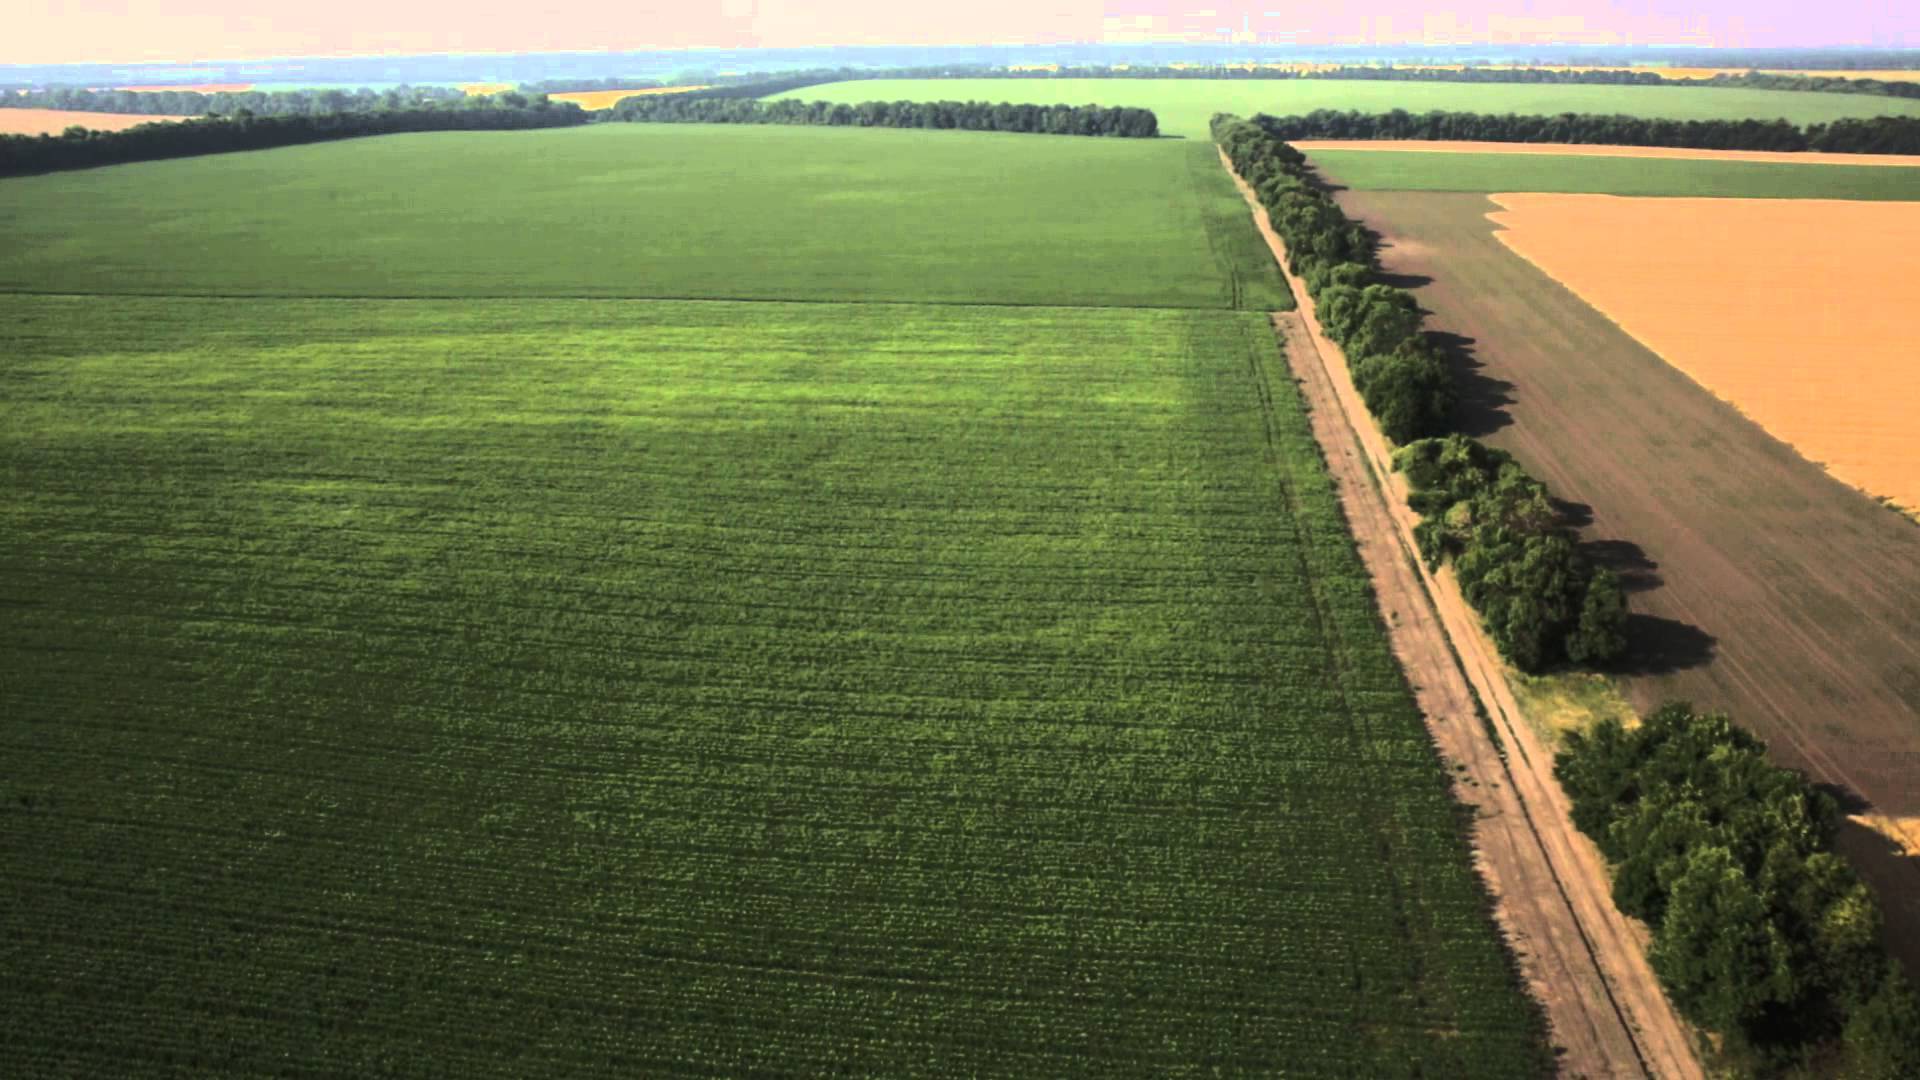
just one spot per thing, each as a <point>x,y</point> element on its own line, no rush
<point>1797,311</point>
<point>604,99</point>
<point>475,89</point>
<point>55,121</point>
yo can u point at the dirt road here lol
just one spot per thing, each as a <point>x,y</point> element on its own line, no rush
<point>1584,961</point>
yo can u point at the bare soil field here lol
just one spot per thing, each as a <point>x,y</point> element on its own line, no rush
<point>1582,959</point>
<point>1695,280</point>
<point>55,121</point>
<point>1443,146</point>
<point>1762,585</point>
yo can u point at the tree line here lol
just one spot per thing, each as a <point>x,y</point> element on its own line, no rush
<point>1872,135</point>
<point>1517,562</point>
<point>79,148</point>
<point>228,103</point>
<point>1120,121</point>
<point>1762,934</point>
<point>1519,566</point>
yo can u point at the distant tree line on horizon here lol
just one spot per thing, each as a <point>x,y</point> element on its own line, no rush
<point>1762,934</point>
<point>1118,121</point>
<point>79,148</point>
<point>1543,602</point>
<point>1873,135</point>
<point>228,102</point>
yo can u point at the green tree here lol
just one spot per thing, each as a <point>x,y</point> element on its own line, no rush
<point>1722,959</point>
<point>1601,636</point>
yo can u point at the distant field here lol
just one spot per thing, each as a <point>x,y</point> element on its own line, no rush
<point>1412,170</point>
<point>198,88</point>
<point>637,689</point>
<point>1694,280</point>
<point>1185,106</point>
<point>1686,153</point>
<point>657,211</point>
<point>601,99</point>
<point>55,121</point>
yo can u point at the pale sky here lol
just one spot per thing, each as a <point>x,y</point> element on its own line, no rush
<point>117,31</point>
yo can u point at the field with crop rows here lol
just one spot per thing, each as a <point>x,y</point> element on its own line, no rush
<point>1414,170</point>
<point>632,688</point>
<point>669,211</point>
<point>1185,106</point>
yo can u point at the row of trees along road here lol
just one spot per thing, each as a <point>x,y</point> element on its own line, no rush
<point>80,148</point>
<point>1543,603</point>
<point>1872,135</point>
<point>1761,933</point>
<point>1121,121</point>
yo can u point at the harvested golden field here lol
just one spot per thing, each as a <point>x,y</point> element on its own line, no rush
<point>475,89</point>
<point>1441,146</point>
<point>605,99</point>
<point>1796,311</point>
<point>198,88</point>
<point>55,121</point>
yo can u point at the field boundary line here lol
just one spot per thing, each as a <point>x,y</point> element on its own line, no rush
<point>1584,961</point>
<point>575,298</point>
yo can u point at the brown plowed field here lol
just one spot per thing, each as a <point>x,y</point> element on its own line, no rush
<point>55,121</point>
<point>1441,146</point>
<point>1763,586</point>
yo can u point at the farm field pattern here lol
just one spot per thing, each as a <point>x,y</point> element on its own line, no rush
<point>671,211</point>
<point>644,687</point>
<point>1420,170</point>
<point>1186,106</point>
<point>1689,278</point>
<point>1762,585</point>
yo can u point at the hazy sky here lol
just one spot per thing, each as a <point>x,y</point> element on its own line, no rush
<point>187,30</point>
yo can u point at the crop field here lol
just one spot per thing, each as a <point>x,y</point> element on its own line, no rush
<point>603,99</point>
<point>642,688</point>
<point>1760,583</point>
<point>667,211</point>
<point>1185,106</point>
<point>1694,279</point>
<point>55,121</point>
<point>1684,153</point>
<point>1415,170</point>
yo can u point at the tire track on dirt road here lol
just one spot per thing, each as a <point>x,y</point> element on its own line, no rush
<point>1582,959</point>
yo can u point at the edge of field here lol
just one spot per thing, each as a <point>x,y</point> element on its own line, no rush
<point>1585,961</point>
<point>1680,153</point>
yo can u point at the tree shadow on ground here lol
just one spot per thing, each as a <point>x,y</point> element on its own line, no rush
<point>1405,281</point>
<point>1637,571</point>
<point>1482,406</point>
<point>1891,871</point>
<point>1661,646</point>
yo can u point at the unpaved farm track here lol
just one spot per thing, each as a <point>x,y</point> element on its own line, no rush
<point>1582,959</point>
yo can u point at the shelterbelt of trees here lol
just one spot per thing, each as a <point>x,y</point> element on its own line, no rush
<point>79,148</point>
<point>1543,602</point>
<point>1761,933</point>
<point>1874,135</point>
<point>752,85</point>
<point>1120,121</point>
<point>227,103</point>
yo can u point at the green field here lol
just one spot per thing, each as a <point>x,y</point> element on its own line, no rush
<point>1416,170</point>
<point>1185,106</point>
<point>641,688</point>
<point>634,210</point>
